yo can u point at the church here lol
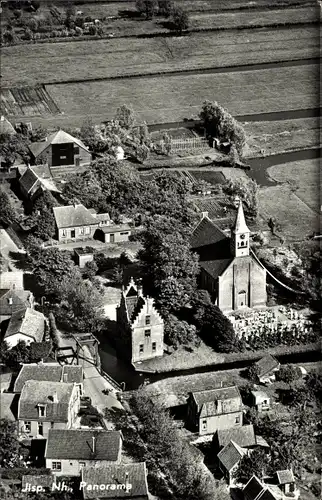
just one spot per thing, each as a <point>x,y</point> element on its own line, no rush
<point>230,273</point>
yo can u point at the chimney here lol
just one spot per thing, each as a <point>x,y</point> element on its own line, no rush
<point>94,444</point>
<point>204,215</point>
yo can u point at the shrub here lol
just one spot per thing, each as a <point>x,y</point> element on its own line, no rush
<point>289,373</point>
<point>252,372</point>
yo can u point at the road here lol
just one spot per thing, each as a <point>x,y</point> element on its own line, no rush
<point>94,383</point>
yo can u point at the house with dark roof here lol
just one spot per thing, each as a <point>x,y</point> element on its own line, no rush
<point>47,405</point>
<point>90,448</point>
<point>27,325</point>
<point>60,149</point>
<point>140,323</point>
<point>243,436</point>
<point>114,482</point>
<point>229,458</point>
<point>49,372</point>
<point>267,367</point>
<point>32,184</point>
<point>281,486</point>
<point>214,409</point>
<point>229,272</point>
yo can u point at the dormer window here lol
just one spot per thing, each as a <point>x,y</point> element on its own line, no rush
<point>41,410</point>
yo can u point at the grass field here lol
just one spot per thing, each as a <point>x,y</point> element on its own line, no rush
<point>297,220</point>
<point>79,60</point>
<point>274,137</point>
<point>304,177</point>
<point>172,98</point>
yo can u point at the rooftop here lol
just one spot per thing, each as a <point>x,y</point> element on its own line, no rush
<point>266,365</point>
<point>231,455</point>
<point>8,406</point>
<point>73,216</point>
<point>86,444</point>
<point>244,436</point>
<point>285,476</point>
<point>48,372</point>
<point>35,393</point>
<point>219,394</point>
<point>27,322</point>
<point>59,137</point>
<point>6,127</point>
<point>12,301</point>
<point>133,475</point>
<point>115,228</point>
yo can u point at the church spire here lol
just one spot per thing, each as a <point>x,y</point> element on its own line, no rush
<point>240,234</point>
<point>240,223</point>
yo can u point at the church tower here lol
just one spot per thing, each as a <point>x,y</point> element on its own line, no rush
<point>240,234</point>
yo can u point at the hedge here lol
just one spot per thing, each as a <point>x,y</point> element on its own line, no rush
<point>18,472</point>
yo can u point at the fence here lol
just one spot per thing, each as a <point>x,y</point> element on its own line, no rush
<point>184,144</point>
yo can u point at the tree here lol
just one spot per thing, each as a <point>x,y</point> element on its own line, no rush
<point>20,353</point>
<point>289,373</point>
<point>4,352</point>
<point>219,123</point>
<point>85,188</point>
<point>256,462</point>
<point>8,213</point>
<point>252,372</point>
<point>247,190</point>
<point>147,7</point>
<point>50,267</point>
<point>125,116</point>
<point>43,217</point>
<point>90,270</point>
<point>12,146</point>
<point>178,333</point>
<point>9,445</point>
<point>170,268</point>
<point>217,330</point>
<point>165,7</point>
<point>180,20</point>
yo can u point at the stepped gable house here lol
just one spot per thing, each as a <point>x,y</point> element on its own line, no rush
<point>60,149</point>
<point>229,271</point>
<point>214,409</point>
<point>140,320</point>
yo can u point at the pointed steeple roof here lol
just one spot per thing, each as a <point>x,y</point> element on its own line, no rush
<point>240,223</point>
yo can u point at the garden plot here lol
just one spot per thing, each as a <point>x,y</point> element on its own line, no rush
<point>27,101</point>
<point>297,220</point>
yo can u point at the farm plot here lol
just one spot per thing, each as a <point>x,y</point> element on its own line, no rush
<point>211,176</point>
<point>79,60</point>
<point>173,98</point>
<point>212,206</point>
<point>303,177</point>
<point>297,220</point>
<point>27,101</point>
<point>283,135</point>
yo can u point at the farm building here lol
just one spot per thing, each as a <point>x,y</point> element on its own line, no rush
<point>27,325</point>
<point>228,270</point>
<point>32,184</point>
<point>114,233</point>
<point>260,400</point>
<point>60,149</point>
<point>83,255</point>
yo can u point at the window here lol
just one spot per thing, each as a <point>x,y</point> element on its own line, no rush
<point>204,425</point>
<point>265,402</point>
<point>63,233</point>
<point>76,150</point>
<point>154,346</point>
<point>147,334</point>
<point>56,465</point>
<point>63,157</point>
<point>237,420</point>
<point>141,348</point>
<point>27,426</point>
<point>52,425</point>
<point>87,230</point>
<point>40,429</point>
<point>81,231</point>
<point>126,232</point>
<point>147,320</point>
<point>42,410</point>
<point>82,464</point>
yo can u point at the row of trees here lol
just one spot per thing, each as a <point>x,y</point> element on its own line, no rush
<point>151,435</point>
<point>165,8</point>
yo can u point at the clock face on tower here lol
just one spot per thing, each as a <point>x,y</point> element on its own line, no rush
<point>242,236</point>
